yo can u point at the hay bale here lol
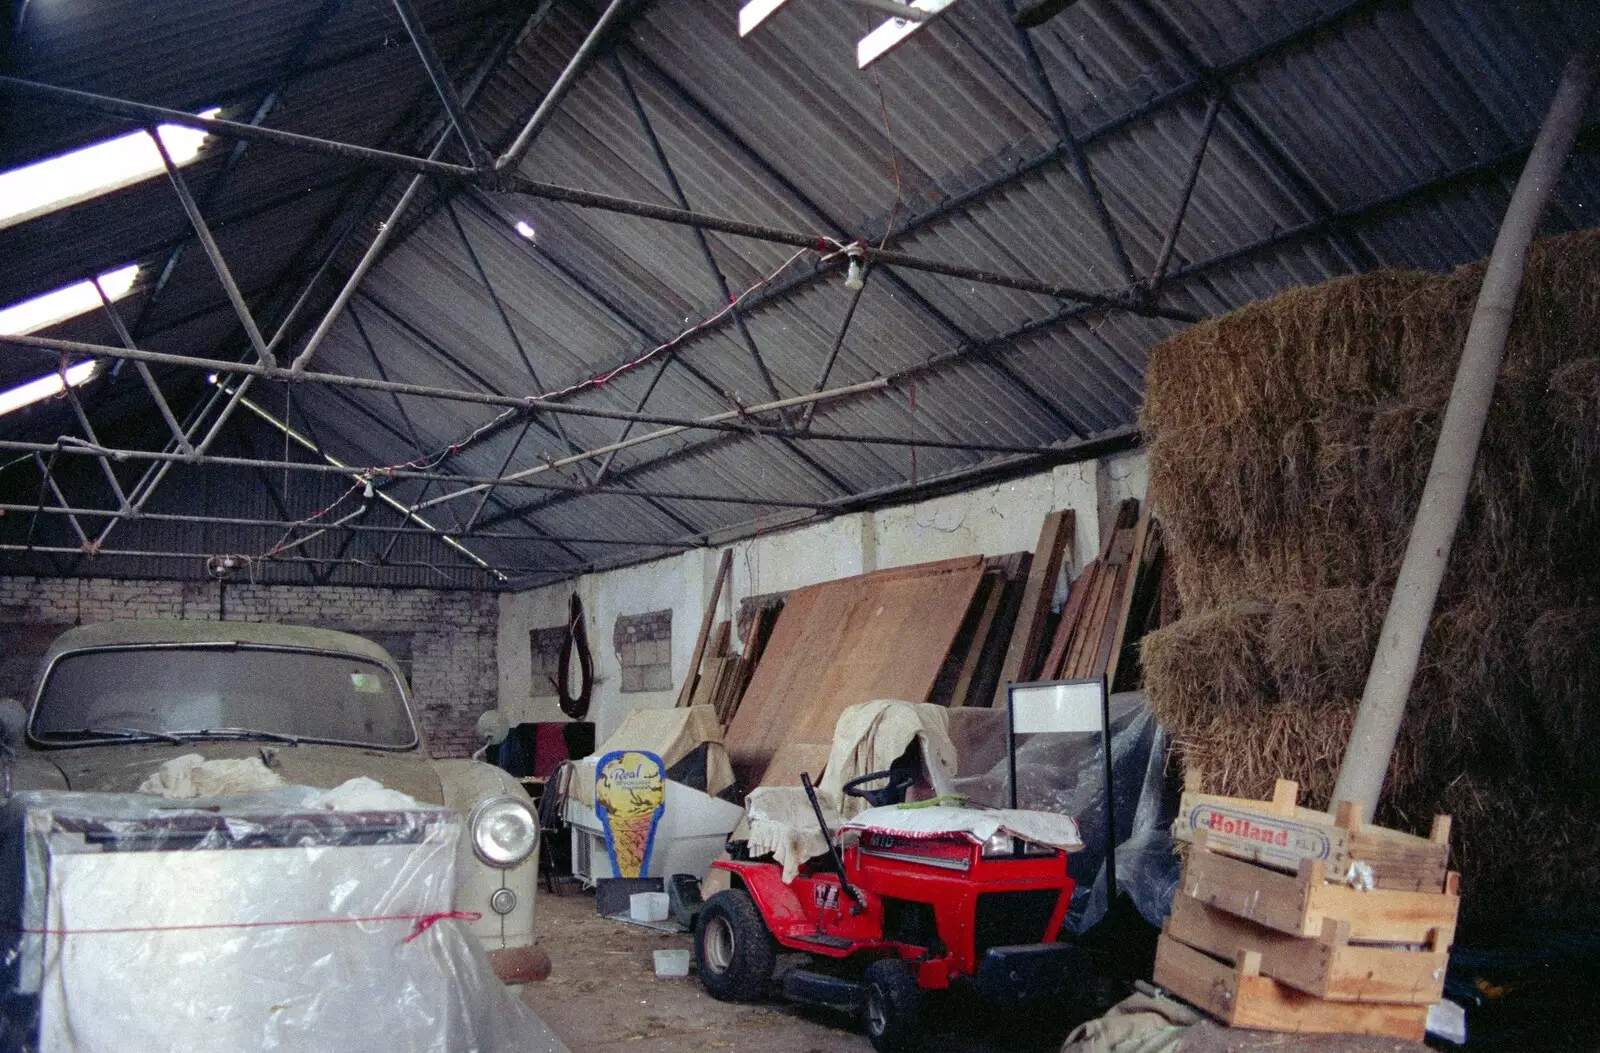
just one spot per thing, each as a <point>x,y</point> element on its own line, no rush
<point>1290,441</point>
<point>1209,663</point>
<point>1563,652</point>
<point>1522,846</point>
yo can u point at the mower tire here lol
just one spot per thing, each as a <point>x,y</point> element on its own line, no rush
<point>894,1007</point>
<point>733,949</point>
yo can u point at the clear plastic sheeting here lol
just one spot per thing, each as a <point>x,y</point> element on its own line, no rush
<point>1065,773</point>
<point>258,922</point>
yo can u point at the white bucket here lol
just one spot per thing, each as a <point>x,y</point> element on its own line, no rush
<point>648,906</point>
<point>672,963</point>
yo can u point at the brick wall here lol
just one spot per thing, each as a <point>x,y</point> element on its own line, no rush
<point>454,676</point>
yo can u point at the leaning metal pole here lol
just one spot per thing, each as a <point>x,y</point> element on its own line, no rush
<point>1383,703</point>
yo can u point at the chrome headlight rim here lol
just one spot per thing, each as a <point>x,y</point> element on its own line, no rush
<point>476,818</point>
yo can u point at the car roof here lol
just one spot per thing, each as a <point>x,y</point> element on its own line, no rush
<point>153,631</point>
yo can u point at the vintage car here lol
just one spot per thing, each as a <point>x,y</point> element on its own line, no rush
<point>116,700</point>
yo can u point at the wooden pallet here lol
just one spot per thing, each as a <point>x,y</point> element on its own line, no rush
<point>1240,996</point>
<point>1300,903</point>
<point>1279,834</point>
<point>1327,966</point>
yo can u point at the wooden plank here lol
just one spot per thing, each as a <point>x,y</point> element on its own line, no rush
<point>880,635</point>
<point>791,760</point>
<point>1055,539</point>
<point>1327,966</point>
<point>1240,997</point>
<point>705,689</point>
<point>686,692</point>
<point>996,587</point>
<point>1113,646</point>
<point>1299,903</point>
<point>1015,569</point>
<point>1071,614</point>
<point>1081,656</point>
<point>1106,650</point>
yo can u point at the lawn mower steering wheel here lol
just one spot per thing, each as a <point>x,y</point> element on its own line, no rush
<point>892,792</point>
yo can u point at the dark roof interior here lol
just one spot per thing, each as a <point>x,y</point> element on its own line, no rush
<point>1337,137</point>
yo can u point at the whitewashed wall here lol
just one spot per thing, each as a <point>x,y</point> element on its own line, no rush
<point>989,520</point>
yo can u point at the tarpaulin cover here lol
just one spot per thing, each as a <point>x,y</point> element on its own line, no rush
<point>254,922</point>
<point>869,737</point>
<point>672,735</point>
<point>1065,774</point>
<point>1045,828</point>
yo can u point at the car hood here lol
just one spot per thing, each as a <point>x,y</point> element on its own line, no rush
<point>121,768</point>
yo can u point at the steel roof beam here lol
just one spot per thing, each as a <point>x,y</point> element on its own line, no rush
<point>77,449</point>
<point>358,528</point>
<point>1357,256</point>
<point>1158,273</point>
<point>804,200</point>
<point>148,554</point>
<point>287,71</point>
<point>726,294</point>
<point>454,107</point>
<point>510,182</point>
<point>203,232</point>
<point>558,91</point>
<point>1074,150</point>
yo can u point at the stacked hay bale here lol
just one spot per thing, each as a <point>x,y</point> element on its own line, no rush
<point>1289,442</point>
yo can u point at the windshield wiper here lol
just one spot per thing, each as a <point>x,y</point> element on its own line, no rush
<point>117,733</point>
<point>237,733</point>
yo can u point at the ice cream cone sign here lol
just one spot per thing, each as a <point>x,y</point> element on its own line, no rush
<point>630,793</point>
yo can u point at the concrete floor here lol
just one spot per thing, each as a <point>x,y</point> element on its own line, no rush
<point>603,997</point>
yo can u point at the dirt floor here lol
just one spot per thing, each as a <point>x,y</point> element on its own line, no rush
<point>603,997</point>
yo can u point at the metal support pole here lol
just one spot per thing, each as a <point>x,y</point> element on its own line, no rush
<point>1444,495</point>
<point>213,253</point>
<point>88,432</point>
<point>354,528</point>
<point>1163,259</point>
<point>728,421</point>
<point>85,450</point>
<point>358,477</point>
<point>1074,150</point>
<point>558,91</point>
<point>833,352</point>
<point>146,554</point>
<point>117,326</point>
<point>441,83</point>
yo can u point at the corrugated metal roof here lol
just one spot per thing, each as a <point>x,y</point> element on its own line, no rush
<point>1357,134</point>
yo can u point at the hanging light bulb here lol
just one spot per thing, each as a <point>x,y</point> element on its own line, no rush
<point>856,276</point>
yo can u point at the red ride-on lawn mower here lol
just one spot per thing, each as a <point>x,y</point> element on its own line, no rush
<point>911,900</point>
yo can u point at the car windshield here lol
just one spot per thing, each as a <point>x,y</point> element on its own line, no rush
<point>236,691</point>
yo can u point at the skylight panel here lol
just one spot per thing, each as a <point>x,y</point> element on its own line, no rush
<point>41,312</point>
<point>57,182</point>
<point>13,399</point>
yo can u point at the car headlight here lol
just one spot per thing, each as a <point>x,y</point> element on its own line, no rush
<point>504,831</point>
<point>999,844</point>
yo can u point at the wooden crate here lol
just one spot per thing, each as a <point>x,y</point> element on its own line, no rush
<point>1279,834</point>
<point>1300,903</point>
<point>1240,996</point>
<point>1328,966</point>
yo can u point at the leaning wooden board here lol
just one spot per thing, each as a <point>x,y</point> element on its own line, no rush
<point>879,635</point>
<point>1240,996</point>
<point>1298,904</point>
<point>1327,966</point>
<point>1279,834</point>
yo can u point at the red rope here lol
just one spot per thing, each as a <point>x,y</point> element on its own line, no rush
<point>423,922</point>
